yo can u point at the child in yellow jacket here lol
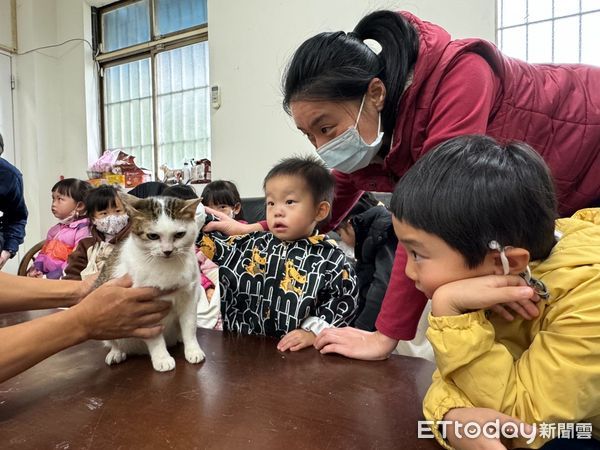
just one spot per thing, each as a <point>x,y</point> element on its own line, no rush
<point>478,222</point>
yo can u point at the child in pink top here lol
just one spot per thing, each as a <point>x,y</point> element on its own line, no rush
<point>68,207</point>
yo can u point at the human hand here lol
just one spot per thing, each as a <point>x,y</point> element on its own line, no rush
<point>296,340</point>
<point>4,257</point>
<point>116,310</point>
<point>483,417</point>
<point>32,272</point>
<point>227,225</point>
<point>495,292</point>
<point>355,343</point>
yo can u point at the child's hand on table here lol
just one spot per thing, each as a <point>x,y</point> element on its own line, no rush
<point>296,340</point>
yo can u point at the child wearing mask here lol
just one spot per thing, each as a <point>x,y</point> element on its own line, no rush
<point>68,207</point>
<point>110,225</point>
<point>223,196</point>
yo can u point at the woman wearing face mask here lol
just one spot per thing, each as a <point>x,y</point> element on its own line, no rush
<point>375,100</point>
<point>110,225</point>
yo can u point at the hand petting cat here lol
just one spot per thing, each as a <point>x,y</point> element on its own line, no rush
<point>116,310</point>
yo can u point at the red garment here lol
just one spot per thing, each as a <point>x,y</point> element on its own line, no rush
<point>468,87</point>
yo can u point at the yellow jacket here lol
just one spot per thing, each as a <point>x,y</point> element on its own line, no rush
<point>541,370</point>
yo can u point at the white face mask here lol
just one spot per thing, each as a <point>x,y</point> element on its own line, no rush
<point>73,215</point>
<point>112,224</point>
<point>348,152</point>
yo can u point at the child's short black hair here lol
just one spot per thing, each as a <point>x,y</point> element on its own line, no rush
<point>222,192</point>
<point>74,188</point>
<point>312,170</point>
<point>100,198</point>
<point>182,191</point>
<point>470,190</point>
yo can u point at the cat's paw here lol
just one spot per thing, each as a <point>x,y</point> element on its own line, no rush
<point>194,355</point>
<point>163,364</point>
<point>115,357</point>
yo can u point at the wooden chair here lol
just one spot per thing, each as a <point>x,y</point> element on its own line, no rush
<point>29,256</point>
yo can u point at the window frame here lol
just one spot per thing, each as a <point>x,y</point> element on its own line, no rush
<point>157,44</point>
<point>526,23</point>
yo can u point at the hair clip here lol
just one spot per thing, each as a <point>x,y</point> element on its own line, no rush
<point>495,245</point>
<point>538,286</point>
<point>373,45</point>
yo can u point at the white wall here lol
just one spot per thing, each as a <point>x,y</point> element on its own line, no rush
<point>51,102</point>
<point>250,45</point>
<point>6,37</point>
<point>56,113</point>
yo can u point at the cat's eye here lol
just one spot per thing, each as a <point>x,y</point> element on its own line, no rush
<point>152,236</point>
<point>179,235</point>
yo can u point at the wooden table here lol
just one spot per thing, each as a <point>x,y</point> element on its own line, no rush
<point>245,395</point>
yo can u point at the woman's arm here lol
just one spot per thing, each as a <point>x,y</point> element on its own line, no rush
<point>112,311</point>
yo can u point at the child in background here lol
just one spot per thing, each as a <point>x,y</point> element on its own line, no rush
<point>223,196</point>
<point>182,191</point>
<point>208,315</point>
<point>368,231</point>
<point>478,222</point>
<point>291,282</point>
<point>110,225</point>
<point>68,207</point>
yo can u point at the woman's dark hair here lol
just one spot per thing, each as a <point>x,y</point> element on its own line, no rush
<point>100,198</point>
<point>182,191</point>
<point>339,66</point>
<point>222,192</point>
<point>74,188</point>
<point>470,190</point>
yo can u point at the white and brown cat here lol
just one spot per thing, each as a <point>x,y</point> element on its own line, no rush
<point>159,252</point>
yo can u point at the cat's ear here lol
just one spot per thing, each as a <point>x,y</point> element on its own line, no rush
<point>189,209</point>
<point>129,202</point>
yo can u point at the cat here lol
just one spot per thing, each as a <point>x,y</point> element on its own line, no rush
<point>159,252</point>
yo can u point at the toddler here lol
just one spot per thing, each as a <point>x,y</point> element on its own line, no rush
<point>68,207</point>
<point>110,225</point>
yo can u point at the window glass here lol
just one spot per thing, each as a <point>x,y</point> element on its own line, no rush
<point>126,26</point>
<point>128,110</point>
<point>183,104</point>
<point>176,15</point>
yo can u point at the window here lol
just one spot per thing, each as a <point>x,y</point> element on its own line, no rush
<point>545,31</point>
<point>153,57</point>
